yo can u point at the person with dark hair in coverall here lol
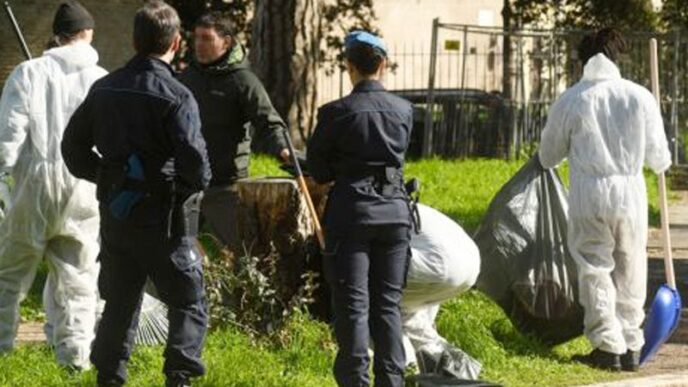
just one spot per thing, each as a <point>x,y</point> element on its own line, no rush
<point>359,143</point>
<point>233,103</point>
<point>50,215</point>
<point>608,127</point>
<point>150,166</point>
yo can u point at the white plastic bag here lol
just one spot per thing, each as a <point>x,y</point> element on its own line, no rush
<point>445,261</point>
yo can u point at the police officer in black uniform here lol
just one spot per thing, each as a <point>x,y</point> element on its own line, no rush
<point>150,161</point>
<point>359,143</point>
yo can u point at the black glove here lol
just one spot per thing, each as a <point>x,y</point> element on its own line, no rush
<point>301,159</point>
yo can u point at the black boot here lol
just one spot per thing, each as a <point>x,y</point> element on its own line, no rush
<point>600,359</point>
<point>110,383</point>
<point>177,381</point>
<point>106,382</point>
<point>630,361</point>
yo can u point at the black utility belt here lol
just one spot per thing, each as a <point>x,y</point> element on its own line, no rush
<point>156,188</point>
<point>381,186</point>
<point>388,175</point>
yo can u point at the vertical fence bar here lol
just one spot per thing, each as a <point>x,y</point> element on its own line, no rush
<point>463,113</point>
<point>427,141</point>
<point>341,81</point>
<point>405,56</point>
<point>553,60</point>
<point>674,94</point>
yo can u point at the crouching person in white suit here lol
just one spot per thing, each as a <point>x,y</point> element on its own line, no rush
<point>445,262</point>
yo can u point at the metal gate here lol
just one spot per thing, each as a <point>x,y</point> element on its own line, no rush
<point>485,100</point>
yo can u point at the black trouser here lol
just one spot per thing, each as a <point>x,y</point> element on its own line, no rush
<point>366,267</point>
<point>128,257</point>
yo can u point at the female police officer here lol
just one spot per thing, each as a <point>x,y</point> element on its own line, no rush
<point>359,143</point>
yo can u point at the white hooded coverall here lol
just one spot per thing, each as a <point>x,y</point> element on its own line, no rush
<point>608,127</point>
<point>52,215</point>
<point>444,263</point>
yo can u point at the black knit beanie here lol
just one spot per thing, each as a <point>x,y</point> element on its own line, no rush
<point>72,17</point>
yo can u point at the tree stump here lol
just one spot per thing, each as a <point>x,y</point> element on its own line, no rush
<point>273,218</point>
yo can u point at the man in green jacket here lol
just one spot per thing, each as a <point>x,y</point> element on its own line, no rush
<point>233,103</point>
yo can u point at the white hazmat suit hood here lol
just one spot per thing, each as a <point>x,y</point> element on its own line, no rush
<point>51,214</point>
<point>608,127</point>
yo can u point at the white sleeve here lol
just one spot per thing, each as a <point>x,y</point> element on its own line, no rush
<point>554,141</point>
<point>14,117</point>
<point>657,155</point>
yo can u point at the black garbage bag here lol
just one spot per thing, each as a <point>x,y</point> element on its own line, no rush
<point>526,266</point>
<point>437,380</point>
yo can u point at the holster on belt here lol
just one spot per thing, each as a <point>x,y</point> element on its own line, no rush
<point>191,214</point>
<point>184,212</point>
<point>412,188</point>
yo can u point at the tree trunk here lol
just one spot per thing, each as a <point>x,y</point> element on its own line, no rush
<point>284,55</point>
<point>273,218</point>
<point>274,214</point>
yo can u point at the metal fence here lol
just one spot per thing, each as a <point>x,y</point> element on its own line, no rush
<point>409,70</point>
<point>407,76</point>
<point>474,98</point>
<point>497,103</point>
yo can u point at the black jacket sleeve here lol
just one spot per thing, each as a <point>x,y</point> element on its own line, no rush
<point>77,145</point>
<point>191,158</point>
<point>321,149</point>
<point>259,111</point>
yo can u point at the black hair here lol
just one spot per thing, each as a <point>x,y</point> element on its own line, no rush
<point>221,23</point>
<point>155,27</point>
<point>607,41</point>
<point>366,58</point>
<point>62,39</point>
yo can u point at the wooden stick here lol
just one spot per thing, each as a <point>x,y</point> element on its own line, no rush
<point>663,206</point>
<point>316,221</point>
<point>304,189</point>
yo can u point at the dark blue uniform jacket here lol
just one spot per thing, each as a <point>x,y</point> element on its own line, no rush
<point>141,109</point>
<point>356,138</point>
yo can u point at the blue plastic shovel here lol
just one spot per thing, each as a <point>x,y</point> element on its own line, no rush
<point>666,307</point>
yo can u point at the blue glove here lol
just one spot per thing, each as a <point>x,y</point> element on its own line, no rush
<point>123,203</point>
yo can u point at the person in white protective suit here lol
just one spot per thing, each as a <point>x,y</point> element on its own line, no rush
<point>51,214</point>
<point>608,127</point>
<point>444,263</point>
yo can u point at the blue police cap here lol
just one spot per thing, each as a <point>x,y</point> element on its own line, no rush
<point>363,37</point>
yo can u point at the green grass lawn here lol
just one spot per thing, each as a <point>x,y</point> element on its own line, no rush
<point>302,354</point>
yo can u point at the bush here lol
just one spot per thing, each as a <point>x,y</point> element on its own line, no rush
<point>241,290</point>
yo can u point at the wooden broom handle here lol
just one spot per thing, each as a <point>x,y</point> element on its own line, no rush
<point>663,206</point>
<point>311,209</point>
<point>304,189</point>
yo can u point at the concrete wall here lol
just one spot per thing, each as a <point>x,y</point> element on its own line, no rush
<point>411,20</point>
<point>406,26</point>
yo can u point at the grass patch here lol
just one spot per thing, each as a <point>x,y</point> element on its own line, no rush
<point>303,355</point>
<point>303,359</point>
<point>463,189</point>
<point>303,352</point>
<point>31,309</point>
<point>478,326</point>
